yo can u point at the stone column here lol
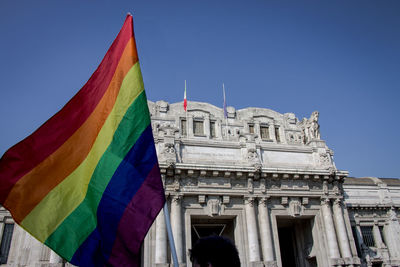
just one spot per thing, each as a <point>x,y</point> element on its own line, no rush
<point>341,230</point>
<point>257,129</point>
<point>377,235</point>
<point>207,126</point>
<point>176,225</point>
<point>161,240</point>
<point>254,248</point>
<point>392,235</point>
<point>330,229</point>
<point>54,258</point>
<point>271,129</point>
<point>267,244</point>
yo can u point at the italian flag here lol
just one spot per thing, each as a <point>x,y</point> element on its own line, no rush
<point>184,99</point>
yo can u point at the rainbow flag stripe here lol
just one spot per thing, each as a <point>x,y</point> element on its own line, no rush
<point>87,182</point>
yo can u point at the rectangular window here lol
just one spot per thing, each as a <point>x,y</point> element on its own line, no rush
<point>198,128</point>
<point>264,130</point>
<point>212,129</point>
<point>6,242</point>
<point>183,127</point>
<point>367,235</point>
<point>277,136</point>
<point>251,128</point>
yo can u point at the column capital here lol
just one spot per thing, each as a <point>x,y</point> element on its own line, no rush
<point>176,198</point>
<point>338,202</point>
<point>249,201</point>
<point>263,201</point>
<point>325,201</point>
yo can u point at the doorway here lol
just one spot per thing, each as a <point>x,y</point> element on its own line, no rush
<point>296,242</point>
<point>206,226</point>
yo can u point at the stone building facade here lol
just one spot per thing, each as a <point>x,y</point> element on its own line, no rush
<point>263,179</point>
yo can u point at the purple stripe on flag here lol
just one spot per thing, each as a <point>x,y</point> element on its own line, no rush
<point>137,219</point>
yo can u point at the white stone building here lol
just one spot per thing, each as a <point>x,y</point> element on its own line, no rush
<point>263,179</point>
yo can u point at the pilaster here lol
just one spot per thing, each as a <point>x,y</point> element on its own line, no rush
<point>341,231</point>
<point>330,230</point>
<point>254,248</point>
<point>267,244</point>
<point>176,225</point>
<point>161,258</point>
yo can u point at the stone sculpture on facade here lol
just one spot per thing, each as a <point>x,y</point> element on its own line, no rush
<point>310,128</point>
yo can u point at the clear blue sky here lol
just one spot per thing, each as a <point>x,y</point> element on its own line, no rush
<point>341,58</point>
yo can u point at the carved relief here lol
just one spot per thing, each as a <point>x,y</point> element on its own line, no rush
<point>214,206</point>
<point>250,184</point>
<point>252,154</point>
<point>169,148</point>
<point>262,185</point>
<point>295,207</point>
<point>176,184</point>
<point>168,128</point>
<point>294,137</point>
<point>162,106</point>
<point>324,160</point>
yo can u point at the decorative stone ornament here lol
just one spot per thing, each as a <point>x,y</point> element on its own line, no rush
<point>295,208</point>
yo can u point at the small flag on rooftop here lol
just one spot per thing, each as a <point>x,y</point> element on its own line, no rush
<point>184,99</point>
<point>87,182</point>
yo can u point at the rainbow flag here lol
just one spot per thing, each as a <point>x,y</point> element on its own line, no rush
<point>87,182</point>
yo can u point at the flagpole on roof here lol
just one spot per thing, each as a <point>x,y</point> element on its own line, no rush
<point>225,112</point>
<point>187,121</point>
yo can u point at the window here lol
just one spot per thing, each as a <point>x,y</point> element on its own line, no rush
<point>5,242</point>
<point>277,136</point>
<point>183,127</point>
<point>264,132</point>
<point>367,235</point>
<point>251,128</point>
<point>198,127</point>
<point>212,129</point>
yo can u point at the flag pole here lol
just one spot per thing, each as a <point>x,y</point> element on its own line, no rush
<point>225,113</point>
<point>187,121</point>
<point>170,235</point>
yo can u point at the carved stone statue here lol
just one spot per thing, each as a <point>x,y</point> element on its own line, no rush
<point>310,127</point>
<point>314,126</point>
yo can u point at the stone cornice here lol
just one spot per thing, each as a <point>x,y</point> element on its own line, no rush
<point>250,171</point>
<point>267,146</point>
<point>371,207</point>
